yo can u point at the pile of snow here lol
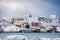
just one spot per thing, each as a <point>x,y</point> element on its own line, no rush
<point>16,37</point>
<point>10,28</point>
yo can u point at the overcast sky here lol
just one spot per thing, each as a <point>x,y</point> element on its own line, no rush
<point>18,8</point>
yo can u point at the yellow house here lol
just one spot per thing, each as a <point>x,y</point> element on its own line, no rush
<point>17,19</point>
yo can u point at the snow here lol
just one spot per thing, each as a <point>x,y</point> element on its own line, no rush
<point>11,28</point>
<point>16,37</point>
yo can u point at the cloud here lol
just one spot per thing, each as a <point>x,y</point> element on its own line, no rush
<point>21,8</point>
